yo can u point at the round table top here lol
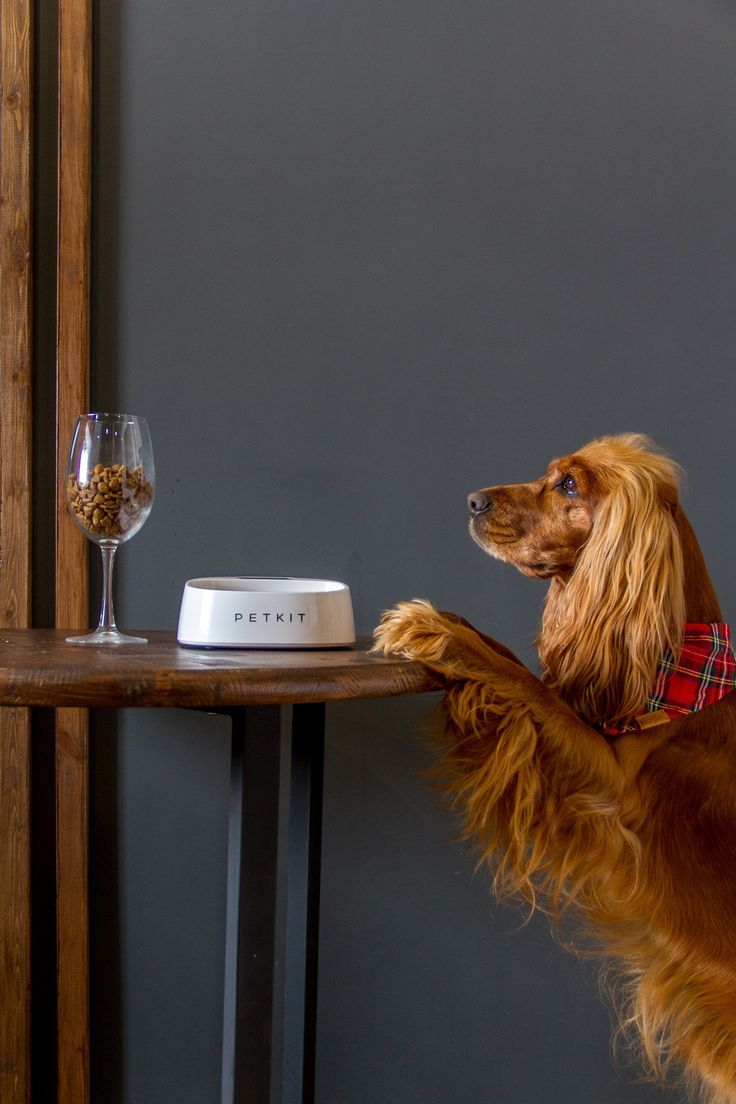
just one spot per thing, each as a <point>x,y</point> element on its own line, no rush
<point>38,668</point>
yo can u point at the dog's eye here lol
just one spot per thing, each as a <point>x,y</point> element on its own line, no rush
<point>568,486</point>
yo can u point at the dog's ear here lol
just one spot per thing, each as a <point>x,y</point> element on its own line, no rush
<point>605,629</point>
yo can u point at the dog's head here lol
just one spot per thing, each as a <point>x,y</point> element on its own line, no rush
<point>541,527</point>
<point>601,525</point>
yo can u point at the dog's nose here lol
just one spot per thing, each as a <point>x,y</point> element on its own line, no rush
<point>479,502</point>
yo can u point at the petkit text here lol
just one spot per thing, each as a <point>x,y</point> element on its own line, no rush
<point>283,618</point>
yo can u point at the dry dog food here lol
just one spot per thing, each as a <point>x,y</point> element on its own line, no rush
<point>114,501</point>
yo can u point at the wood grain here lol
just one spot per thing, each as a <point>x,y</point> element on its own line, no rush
<point>71,604</point>
<point>15,311</point>
<point>72,922</point>
<point>38,668</point>
<point>15,914</point>
<point>72,316</point>
<point>15,542</point>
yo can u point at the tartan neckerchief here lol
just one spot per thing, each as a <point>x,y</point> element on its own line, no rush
<point>704,672</point>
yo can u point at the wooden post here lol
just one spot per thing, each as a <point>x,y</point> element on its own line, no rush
<point>72,391</point>
<point>15,540</point>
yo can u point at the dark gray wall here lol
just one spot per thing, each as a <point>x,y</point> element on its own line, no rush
<point>352,261</point>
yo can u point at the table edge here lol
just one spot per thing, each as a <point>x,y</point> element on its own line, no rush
<point>48,685</point>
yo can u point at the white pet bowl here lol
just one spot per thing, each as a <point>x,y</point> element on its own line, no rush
<point>242,612</point>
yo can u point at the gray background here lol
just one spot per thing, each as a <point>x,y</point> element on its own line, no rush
<point>353,260</point>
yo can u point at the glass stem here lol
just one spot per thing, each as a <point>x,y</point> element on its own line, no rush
<point>107,614</point>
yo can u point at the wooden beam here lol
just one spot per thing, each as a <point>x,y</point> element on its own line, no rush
<point>72,398</point>
<point>72,904</point>
<point>15,539</point>
<point>72,318</point>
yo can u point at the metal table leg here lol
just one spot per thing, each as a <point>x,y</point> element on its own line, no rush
<point>304,851</point>
<point>272,920</point>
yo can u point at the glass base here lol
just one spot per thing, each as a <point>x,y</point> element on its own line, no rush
<point>106,636</point>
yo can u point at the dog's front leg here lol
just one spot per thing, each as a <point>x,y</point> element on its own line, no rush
<point>488,686</point>
<point>453,649</point>
<point>539,789</point>
<point>444,641</point>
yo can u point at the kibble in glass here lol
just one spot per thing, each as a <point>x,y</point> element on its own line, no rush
<point>110,486</point>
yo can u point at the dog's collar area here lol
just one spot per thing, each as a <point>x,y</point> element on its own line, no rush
<point>702,674</point>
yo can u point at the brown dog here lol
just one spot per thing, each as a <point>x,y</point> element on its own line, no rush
<point>609,784</point>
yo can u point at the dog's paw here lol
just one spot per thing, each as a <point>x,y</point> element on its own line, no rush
<point>412,629</point>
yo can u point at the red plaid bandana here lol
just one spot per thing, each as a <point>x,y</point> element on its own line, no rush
<point>703,674</point>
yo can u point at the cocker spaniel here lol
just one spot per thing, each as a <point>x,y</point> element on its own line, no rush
<point>606,789</point>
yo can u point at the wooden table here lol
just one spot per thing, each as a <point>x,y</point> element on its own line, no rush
<point>276,701</point>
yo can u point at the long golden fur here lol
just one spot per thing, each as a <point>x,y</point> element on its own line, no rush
<point>634,834</point>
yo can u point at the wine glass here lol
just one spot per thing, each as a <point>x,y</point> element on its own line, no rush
<point>109,492</point>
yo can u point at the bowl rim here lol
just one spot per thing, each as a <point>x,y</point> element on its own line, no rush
<point>265,584</point>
